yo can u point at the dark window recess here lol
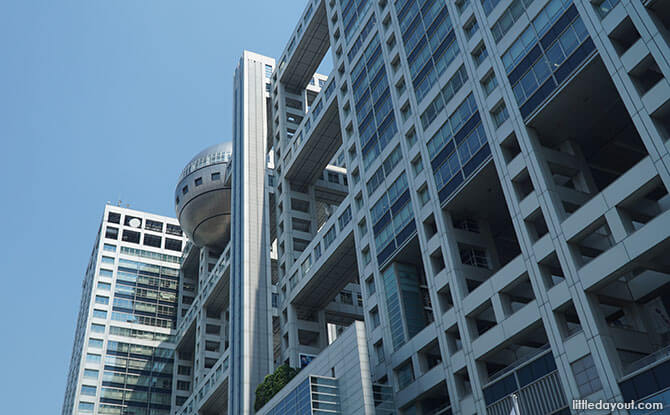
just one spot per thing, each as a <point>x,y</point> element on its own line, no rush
<point>153,225</point>
<point>198,181</point>
<point>184,190</point>
<point>216,176</point>
<point>112,233</point>
<point>173,229</point>
<point>131,236</point>
<point>128,220</point>
<point>300,205</point>
<point>646,383</point>
<point>114,217</point>
<point>537,369</point>
<point>172,244</point>
<point>152,240</point>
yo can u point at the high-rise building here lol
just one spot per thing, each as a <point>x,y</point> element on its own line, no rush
<point>484,183</point>
<point>123,349</point>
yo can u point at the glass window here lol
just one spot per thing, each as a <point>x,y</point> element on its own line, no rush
<point>95,343</point>
<point>370,285</point>
<point>176,229</point>
<point>489,83</point>
<point>480,54</point>
<point>586,376</point>
<point>374,315</point>
<point>86,407</point>
<point>107,260</point>
<point>417,165</point>
<point>470,28</point>
<point>111,233</point>
<point>109,247</point>
<point>101,299</point>
<point>90,373</point>
<point>405,375</point>
<point>92,358</point>
<point>114,217</point>
<point>100,314</point>
<point>97,328</point>
<point>367,257</point>
<point>424,196</point>
<point>152,240</point>
<point>198,181</point>
<point>605,7</point>
<point>173,244</point>
<point>88,390</point>
<point>105,286</point>
<point>329,237</point>
<point>153,225</point>
<point>379,351</point>
<point>216,176</point>
<point>131,236</point>
<point>500,114</point>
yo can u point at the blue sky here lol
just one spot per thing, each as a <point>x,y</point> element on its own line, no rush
<point>100,100</point>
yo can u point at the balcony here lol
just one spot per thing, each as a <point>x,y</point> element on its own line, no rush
<point>327,264</point>
<point>306,48</point>
<point>317,139</point>
<point>534,379</point>
<point>214,283</point>
<point>212,394</point>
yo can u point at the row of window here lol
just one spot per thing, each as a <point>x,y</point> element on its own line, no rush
<point>384,170</point>
<point>215,176</point>
<point>429,41</point>
<point>367,29</point>
<point>149,224</point>
<point>373,103</point>
<point>391,215</point>
<point>552,46</point>
<point>509,17</point>
<point>149,239</point>
<point>352,11</point>
<point>138,315</point>
<point>142,253</point>
<point>444,97</point>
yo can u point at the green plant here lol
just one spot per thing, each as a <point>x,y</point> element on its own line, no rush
<point>273,383</point>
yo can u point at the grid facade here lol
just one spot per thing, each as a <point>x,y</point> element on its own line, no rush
<point>123,353</point>
<point>506,183</point>
<point>483,182</point>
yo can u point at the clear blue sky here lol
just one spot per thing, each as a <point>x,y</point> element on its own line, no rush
<point>100,100</point>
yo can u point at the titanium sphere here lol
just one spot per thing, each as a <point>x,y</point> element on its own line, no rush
<point>202,199</point>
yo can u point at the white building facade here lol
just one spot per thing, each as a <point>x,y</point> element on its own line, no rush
<point>483,182</point>
<point>123,351</point>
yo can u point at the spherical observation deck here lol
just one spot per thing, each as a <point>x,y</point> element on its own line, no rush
<point>202,199</point>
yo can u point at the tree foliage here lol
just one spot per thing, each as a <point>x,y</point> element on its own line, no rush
<point>273,383</point>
